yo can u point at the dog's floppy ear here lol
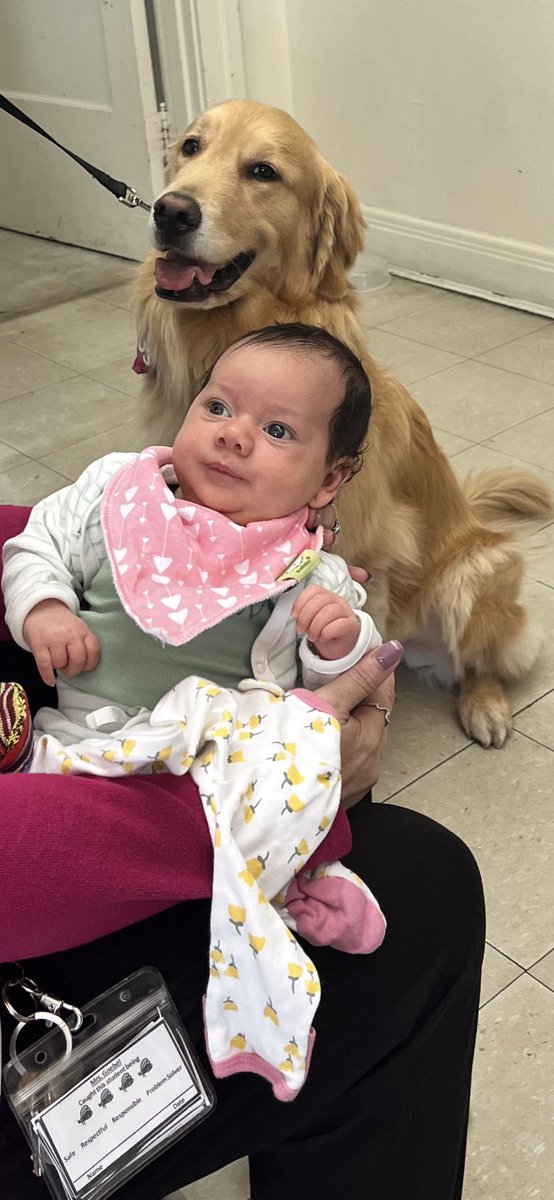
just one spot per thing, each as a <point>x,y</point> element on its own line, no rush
<point>338,234</point>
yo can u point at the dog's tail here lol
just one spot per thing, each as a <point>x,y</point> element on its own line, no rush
<point>498,495</point>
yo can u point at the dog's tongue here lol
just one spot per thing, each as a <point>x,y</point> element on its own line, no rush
<point>177,274</point>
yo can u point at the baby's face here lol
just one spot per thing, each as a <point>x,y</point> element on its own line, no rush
<point>254,443</point>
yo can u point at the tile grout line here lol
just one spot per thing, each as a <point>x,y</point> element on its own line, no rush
<point>504,988</point>
<point>530,704</point>
<point>422,378</point>
<point>508,957</point>
<point>35,390</point>
<point>430,770</point>
<point>40,460</point>
<point>9,315</point>
<point>485,441</point>
<point>471,743</point>
<point>57,363</point>
<point>543,583</point>
<point>534,741</point>
<point>541,959</point>
<point>515,962</point>
<point>401,317</point>
<point>523,971</point>
<point>517,424</point>
<point>77,370</point>
<point>471,357</point>
<point>548,987</point>
<point>6,335</point>
<point>74,445</point>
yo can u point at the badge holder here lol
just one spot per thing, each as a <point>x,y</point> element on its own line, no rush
<point>108,1089</point>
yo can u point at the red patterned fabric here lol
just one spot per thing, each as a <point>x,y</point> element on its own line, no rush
<point>16,728</point>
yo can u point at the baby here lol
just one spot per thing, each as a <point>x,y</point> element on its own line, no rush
<point>187,579</point>
<point>276,427</point>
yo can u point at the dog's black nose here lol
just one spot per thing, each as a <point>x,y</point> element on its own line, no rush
<point>176,213</point>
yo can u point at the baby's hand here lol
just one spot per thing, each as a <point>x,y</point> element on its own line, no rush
<point>328,621</point>
<point>59,640</point>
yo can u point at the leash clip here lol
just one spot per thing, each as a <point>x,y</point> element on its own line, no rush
<point>133,200</point>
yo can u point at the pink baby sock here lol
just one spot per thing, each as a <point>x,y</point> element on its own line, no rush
<point>331,906</point>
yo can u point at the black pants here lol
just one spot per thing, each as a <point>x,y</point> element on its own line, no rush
<point>383,1114</point>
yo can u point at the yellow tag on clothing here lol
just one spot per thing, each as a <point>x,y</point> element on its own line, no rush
<point>302,565</point>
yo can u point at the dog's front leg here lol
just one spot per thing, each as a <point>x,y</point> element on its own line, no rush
<point>484,711</point>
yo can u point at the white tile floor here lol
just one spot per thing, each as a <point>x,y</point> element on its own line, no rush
<point>485,376</point>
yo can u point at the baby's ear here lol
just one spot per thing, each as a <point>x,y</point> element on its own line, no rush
<point>335,477</point>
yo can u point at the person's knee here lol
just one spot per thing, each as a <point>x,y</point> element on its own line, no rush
<point>458,871</point>
<point>415,865</point>
<point>434,844</point>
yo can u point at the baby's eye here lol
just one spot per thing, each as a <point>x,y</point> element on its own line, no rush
<point>217,408</point>
<point>278,431</point>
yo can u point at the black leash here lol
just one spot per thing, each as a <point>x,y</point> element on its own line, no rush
<point>125,195</point>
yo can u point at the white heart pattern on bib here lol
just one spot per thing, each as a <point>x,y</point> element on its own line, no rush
<point>204,543</point>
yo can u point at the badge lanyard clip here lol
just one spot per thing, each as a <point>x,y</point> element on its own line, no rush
<point>47,1008</point>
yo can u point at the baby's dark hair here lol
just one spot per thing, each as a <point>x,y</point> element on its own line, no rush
<point>349,423</point>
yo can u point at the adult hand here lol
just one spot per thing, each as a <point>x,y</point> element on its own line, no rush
<point>327,517</point>
<point>364,732</point>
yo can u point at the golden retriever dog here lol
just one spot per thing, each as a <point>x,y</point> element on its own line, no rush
<point>255,227</point>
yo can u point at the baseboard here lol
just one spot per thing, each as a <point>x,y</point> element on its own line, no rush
<point>518,274</point>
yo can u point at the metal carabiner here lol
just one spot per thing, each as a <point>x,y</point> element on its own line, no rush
<point>55,1006</point>
<point>41,1000</point>
<point>133,200</point>
<point>52,1003</point>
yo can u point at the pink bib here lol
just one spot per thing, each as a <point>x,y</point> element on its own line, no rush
<point>180,568</point>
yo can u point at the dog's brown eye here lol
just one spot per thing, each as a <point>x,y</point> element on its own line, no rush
<point>265,171</point>
<point>190,146</point>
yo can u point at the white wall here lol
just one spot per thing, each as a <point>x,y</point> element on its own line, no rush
<point>440,111</point>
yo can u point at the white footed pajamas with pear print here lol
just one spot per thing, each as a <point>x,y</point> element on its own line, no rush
<point>267,765</point>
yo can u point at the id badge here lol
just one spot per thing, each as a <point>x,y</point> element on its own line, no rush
<point>129,1087</point>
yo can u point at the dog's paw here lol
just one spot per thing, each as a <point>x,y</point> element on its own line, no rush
<point>485,714</point>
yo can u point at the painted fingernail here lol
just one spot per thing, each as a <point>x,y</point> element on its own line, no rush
<point>389,654</point>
